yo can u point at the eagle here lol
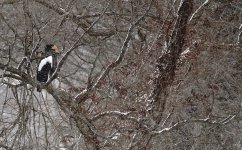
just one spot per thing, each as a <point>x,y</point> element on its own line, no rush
<point>48,64</point>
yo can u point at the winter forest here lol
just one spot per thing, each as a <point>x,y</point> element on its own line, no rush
<point>131,75</point>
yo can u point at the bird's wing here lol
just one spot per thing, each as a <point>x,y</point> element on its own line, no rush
<point>44,68</point>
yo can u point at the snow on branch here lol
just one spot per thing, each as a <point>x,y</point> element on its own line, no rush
<point>82,23</point>
<point>110,113</point>
<point>119,59</point>
<point>206,120</point>
<point>75,45</point>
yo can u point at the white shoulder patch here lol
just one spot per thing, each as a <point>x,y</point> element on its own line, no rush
<point>44,62</point>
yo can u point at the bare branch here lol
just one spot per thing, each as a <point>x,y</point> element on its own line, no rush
<point>12,76</point>
<point>85,26</point>
<point>10,26</point>
<point>79,97</point>
<point>5,146</point>
<point>166,64</point>
<point>22,75</point>
<point>75,45</point>
<point>9,2</point>
<point>199,8</point>
<point>110,113</point>
<point>206,120</point>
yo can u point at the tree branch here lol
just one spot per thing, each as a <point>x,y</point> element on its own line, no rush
<point>9,2</point>
<point>5,146</point>
<point>81,96</point>
<point>166,64</point>
<point>206,120</point>
<point>76,19</point>
<point>75,45</point>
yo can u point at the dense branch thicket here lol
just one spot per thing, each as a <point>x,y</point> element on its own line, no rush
<point>134,74</point>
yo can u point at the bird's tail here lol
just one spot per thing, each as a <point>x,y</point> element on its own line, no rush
<point>39,89</point>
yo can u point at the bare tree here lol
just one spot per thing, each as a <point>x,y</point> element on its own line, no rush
<point>134,74</point>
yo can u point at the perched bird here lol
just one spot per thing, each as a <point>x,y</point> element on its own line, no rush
<point>48,64</point>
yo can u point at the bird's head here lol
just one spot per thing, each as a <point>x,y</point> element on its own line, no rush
<point>52,48</point>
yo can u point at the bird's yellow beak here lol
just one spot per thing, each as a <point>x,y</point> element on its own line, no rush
<point>55,48</point>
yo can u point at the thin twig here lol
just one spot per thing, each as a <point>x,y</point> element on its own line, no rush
<point>82,23</point>
<point>206,120</point>
<point>199,8</point>
<point>75,45</point>
<point>118,60</point>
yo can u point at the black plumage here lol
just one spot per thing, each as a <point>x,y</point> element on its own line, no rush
<point>48,64</point>
<point>42,75</point>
